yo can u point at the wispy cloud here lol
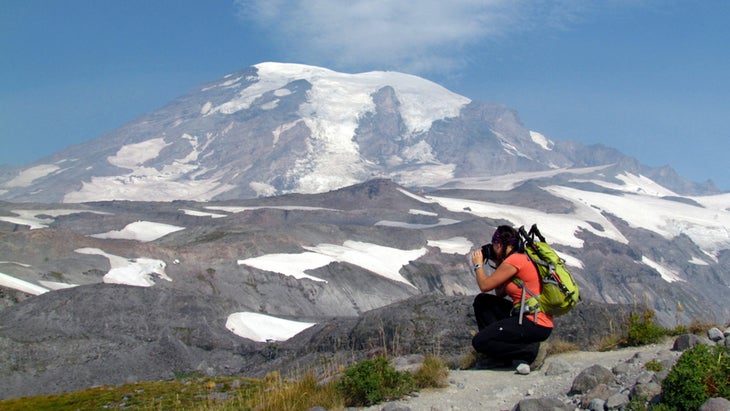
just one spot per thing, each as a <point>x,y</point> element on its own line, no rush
<point>417,37</point>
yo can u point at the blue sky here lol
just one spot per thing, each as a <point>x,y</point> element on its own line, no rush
<point>648,77</point>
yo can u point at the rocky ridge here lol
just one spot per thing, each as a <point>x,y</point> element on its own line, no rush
<point>137,333</point>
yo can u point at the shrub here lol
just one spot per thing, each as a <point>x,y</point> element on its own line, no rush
<point>432,374</point>
<point>700,327</point>
<point>372,381</point>
<point>701,373</point>
<point>654,365</point>
<point>558,346</point>
<point>276,394</point>
<point>642,330</point>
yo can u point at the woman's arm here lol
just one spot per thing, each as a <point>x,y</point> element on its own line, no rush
<point>499,277</point>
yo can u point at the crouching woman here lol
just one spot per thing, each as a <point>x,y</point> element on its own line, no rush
<point>503,338</point>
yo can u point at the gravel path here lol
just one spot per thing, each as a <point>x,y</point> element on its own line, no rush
<point>501,389</point>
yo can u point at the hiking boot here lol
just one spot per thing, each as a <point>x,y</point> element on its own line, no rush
<point>542,353</point>
<point>489,363</point>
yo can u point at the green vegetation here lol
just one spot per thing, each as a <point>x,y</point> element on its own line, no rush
<point>643,331</point>
<point>432,374</point>
<point>189,393</point>
<point>364,383</point>
<point>654,366</point>
<point>701,373</point>
<point>372,381</point>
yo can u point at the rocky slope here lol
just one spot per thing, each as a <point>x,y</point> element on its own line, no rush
<point>52,344</point>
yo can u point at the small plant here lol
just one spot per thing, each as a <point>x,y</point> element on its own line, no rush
<point>642,330</point>
<point>699,327</point>
<point>467,360</point>
<point>302,393</point>
<point>432,374</point>
<point>701,373</point>
<point>558,346</point>
<point>610,342</point>
<point>654,365</point>
<point>372,381</point>
<point>678,330</point>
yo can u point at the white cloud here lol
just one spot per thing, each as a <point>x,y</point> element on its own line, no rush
<point>427,36</point>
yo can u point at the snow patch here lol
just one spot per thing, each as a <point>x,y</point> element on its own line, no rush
<point>33,219</point>
<point>176,180</point>
<point>132,155</point>
<point>420,152</point>
<point>384,261</point>
<point>21,285</point>
<point>54,285</point>
<point>667,274</point>
<point>425,175</point>
<point>698,261</point>
<point>293,265</point>
<point>144,231</point>
<point>708,228</point>
<point>139,272</point>
<point>508,182</point>
<point>541,140</point>
<point>453,245</point>
<point>559,228</point>
<point>442,221</point>
<point>195,213</point>
<point>263,328</point>
<point>421,212</point>
<point>635,184</point>
<point>238,209</point>
<point>26,177</point>
<point>262,189</point>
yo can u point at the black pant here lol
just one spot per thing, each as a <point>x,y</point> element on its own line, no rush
<point>500,335</point>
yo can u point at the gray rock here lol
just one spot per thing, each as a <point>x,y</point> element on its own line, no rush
<point>391,406</point>
<point>645,377</point>
<point>590,378</point>
<point>714,334</point>
<point>647,390</point>
<point>597,405</point>
<point>541,404</point>
<point>601,391</point>
<point>558,367</point>
<point>409,362</point>
<point>523,369</point>
<point>621,369</point>
<point>716,404</point>
<point>617,401</point>
<point>685,342</point>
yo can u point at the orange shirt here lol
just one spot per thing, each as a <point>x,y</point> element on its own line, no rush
<point>527,272</point>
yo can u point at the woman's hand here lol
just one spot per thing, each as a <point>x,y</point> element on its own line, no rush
<point>477,257</point>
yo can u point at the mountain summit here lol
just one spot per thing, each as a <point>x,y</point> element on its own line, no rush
<point>277,128</point>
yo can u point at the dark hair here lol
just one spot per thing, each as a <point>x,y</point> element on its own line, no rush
<point>505,235</point>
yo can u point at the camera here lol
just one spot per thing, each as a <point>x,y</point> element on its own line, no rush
<point>488,253</point>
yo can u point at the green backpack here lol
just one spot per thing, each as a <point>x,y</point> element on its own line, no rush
<point>559,292</point>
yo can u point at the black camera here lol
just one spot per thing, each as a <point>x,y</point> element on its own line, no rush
<point>488,253</point>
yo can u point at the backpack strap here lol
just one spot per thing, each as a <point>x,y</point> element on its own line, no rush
<point>525,290</point>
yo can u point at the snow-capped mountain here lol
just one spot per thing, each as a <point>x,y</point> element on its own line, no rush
<point>276,128</point>
<point>302,194</point>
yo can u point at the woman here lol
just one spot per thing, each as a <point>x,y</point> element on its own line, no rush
<point>501,337</point>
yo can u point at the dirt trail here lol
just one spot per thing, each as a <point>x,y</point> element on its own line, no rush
<point>494,390</point>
